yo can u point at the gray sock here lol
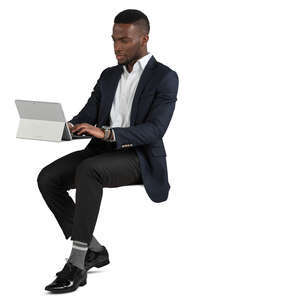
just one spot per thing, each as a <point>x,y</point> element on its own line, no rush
<point>78,253</point>
<point>95,245</point>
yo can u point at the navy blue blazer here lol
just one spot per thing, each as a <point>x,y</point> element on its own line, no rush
<point>151,112</point>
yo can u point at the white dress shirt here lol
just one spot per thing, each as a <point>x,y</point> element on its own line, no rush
<point>121,107</point>
<point>122,102</point>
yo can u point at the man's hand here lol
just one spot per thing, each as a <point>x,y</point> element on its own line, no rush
<point>87,129</point>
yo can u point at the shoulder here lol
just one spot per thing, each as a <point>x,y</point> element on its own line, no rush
<point>163,71</point>
<point>165,76</point>
<point>108,71</point>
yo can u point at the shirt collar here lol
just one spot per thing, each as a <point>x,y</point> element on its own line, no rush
<point>139,64</point>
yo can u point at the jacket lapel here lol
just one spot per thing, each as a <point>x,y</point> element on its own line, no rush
<point>112,84</point>
<point>145,77</point>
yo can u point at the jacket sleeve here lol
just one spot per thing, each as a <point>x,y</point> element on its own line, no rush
<point>89,112</point>
<point>158,118</point>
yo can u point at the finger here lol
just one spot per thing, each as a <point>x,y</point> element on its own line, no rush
<point>82,131</point>
<point>77,127</point>
<point>74,128</point>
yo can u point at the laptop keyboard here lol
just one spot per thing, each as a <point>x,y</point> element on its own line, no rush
<point>75,136</point>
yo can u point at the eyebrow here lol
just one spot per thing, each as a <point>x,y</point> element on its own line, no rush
<point>123,37</point>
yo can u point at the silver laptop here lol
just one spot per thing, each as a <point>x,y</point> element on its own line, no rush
<point>40,120</point>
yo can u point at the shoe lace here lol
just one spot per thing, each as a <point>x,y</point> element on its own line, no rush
<point>66,271</point>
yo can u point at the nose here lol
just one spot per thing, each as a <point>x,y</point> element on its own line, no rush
<point>118,48</point>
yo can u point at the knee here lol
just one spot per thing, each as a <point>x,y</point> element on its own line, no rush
<point>43,178</point>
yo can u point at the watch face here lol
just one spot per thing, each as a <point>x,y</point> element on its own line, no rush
<point>106,132</point>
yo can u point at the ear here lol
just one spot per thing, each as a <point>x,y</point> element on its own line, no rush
<point>144,39</point>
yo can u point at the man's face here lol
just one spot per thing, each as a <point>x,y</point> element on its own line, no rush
<point>128,42</point>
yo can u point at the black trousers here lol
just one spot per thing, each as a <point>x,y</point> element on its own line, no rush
<point>87,170</point>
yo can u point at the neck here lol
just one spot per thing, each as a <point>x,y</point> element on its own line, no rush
<point>129,66</point>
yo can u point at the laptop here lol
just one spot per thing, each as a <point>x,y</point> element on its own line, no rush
<point>45,121</point>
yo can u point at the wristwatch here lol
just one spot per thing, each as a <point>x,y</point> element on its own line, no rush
<point>107,132</point>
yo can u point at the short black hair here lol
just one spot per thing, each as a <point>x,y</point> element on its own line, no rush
<point>133,16</point>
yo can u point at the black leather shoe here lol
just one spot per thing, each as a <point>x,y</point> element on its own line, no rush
<point>96,259</point>
<point>68,279</point>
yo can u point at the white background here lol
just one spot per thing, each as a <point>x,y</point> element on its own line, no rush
<point>230,227</point>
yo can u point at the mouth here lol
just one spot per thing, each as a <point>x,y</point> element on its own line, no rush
<point>119,56</point>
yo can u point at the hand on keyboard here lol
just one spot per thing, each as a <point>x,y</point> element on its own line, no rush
<point>83,134</point>
<point>85,129</point>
